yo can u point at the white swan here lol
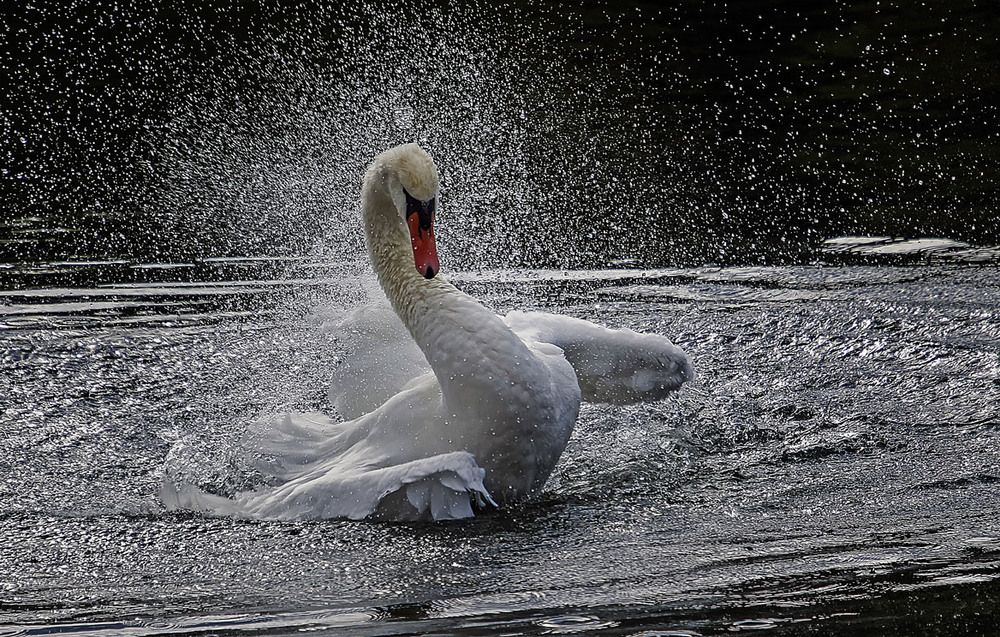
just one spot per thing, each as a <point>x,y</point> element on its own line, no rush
<point>478,416</point>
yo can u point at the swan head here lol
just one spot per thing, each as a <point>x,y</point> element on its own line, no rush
<point>411,178</point>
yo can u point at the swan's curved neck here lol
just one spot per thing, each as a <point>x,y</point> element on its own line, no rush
<point>465,344</point>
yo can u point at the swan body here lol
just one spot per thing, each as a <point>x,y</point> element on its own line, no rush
<point>474,410</point>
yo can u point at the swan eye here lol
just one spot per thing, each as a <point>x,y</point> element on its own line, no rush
<point>423,209</point>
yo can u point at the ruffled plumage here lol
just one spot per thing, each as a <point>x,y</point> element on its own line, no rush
<point>450,408</point>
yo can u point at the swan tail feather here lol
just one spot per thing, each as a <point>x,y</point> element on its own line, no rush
<point>446,495</point>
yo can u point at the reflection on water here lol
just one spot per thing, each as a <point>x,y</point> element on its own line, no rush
<point>908,251</point>
<point>833,469</point>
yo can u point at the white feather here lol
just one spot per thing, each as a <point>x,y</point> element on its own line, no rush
<point>468,411</point>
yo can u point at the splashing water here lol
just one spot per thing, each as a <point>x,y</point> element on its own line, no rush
<point>179,232</point>
<point>723,133</point>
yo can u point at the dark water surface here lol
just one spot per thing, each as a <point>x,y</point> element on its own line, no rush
<point>178,229</point>
<point>834,467</point>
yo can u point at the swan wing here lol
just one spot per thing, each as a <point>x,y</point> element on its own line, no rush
<point>379,360</point>
<point>612,366</point>
<point>394,463</point>
<point>441,487</point>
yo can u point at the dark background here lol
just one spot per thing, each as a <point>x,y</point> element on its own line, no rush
<point>568,134</point>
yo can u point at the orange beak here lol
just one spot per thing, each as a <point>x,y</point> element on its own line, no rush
<point>425,254</point>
